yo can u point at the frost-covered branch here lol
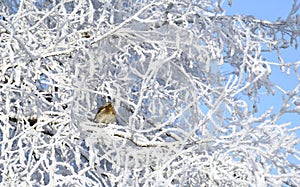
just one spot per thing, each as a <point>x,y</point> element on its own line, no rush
<point>185,80</point>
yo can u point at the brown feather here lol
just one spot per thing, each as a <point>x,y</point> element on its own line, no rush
<point>106,114</point>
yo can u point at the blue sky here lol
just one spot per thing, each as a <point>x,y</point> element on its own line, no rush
<point>271,10</point>
<point>262,9</point>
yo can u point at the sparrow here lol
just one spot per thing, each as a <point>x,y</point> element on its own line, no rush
<point>106,114</point>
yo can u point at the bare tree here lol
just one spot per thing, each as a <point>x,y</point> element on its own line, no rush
<point>185,80</point>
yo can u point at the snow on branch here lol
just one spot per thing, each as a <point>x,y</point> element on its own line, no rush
<point>185,81</point>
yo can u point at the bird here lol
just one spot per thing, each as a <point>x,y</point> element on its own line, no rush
<point>106,114</point>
